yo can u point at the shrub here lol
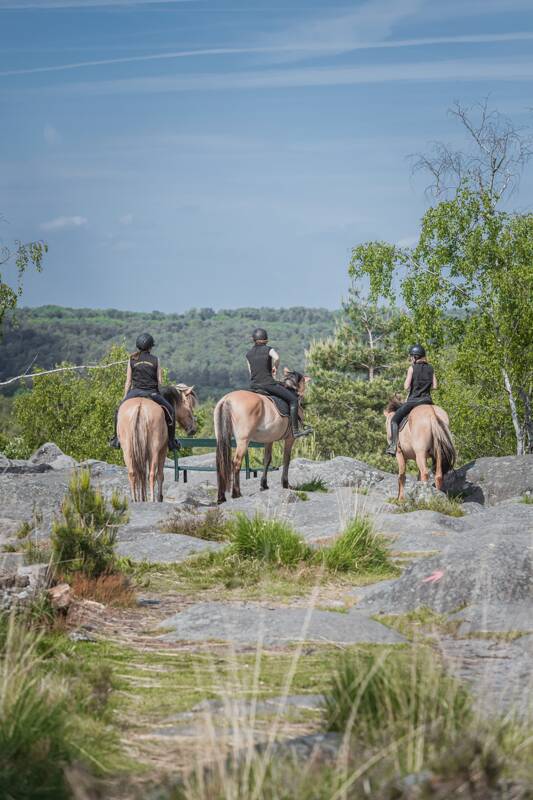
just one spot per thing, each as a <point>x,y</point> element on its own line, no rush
<point>84,539</point>
<point>111,590</point>
<point>212,525</point>
<point>358,549</point>
<point>268,540</point>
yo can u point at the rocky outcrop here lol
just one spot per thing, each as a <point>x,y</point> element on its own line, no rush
<point>491,480</point>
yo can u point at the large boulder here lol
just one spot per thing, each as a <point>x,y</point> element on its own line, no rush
<point>51,455</point>
<point>491,480</point>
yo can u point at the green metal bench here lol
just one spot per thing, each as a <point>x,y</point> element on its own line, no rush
<point>212,443</point>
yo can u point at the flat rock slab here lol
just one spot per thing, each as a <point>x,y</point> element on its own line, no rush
<point>491,480</point>
<point>248,624</point>
<point>161,548</point>
<point>496,618</point>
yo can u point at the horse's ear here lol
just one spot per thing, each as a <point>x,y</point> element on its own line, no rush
<point>189,390</point>
<point>307,378</point>
<point>286,371</point>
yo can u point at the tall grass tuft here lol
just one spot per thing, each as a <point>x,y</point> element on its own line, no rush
<point>83,540</point>
<point>314,484</point>
<point>391,696</point>
<point>35,736</point>
<point>269,540</point>
<point>441,504</point>
<point>358,549</point>
<point>211,525</point>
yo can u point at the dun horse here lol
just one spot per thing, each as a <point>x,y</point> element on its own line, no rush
<point>252,417</point>
<point>426,434</point>
<point>143,435</point>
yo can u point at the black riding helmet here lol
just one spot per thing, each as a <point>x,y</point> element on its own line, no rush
<point>417,351</point>
<point>260,335</point>
<point>145,341</point>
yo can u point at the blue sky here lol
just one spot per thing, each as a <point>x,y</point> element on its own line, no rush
<point>231,152</point>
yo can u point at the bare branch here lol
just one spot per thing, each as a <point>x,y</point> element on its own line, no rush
<point>61,369</point>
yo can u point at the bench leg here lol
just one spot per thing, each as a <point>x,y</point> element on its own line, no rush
<point>184,476</point>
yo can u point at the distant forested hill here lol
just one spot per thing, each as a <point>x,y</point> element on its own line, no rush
<point>203,346</point>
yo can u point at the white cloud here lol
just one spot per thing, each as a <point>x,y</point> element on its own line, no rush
<point>19,5</point>
<point>126,219</point>
<point>451,69</point>
<point>287,51</point>
<point>407,241</point>
<point>63,223</point>
<point>51,135</point>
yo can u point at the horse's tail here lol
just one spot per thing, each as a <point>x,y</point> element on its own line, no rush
<point>443,454</point>
<point>224,430</point>
<point>139,451</point>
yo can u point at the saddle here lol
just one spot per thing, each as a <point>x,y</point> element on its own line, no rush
<point>281,405</point>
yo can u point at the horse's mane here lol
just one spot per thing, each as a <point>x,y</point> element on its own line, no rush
<point>174,394</point>
<point>394,403</point>
<point>292,380</point>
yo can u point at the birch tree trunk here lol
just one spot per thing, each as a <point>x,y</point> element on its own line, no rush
<point>518,428</point>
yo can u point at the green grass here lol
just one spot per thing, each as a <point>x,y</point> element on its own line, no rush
<point>302,495</point>
<point>420,623</point>
<point>314,484</point>
<point>527,499</point>
<point>443,505</point>
<point>211,525</point>
<point>267,540</point>
<point>359,549</point>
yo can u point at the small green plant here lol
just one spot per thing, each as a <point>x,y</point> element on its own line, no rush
<point>212,525</point>
<point>358,549</point>
<point>83,540</point>
<point>314,484</point>
<point>443,505</point>
<point>301,495</point>
<point>268,540</point>
<point>528,498</point>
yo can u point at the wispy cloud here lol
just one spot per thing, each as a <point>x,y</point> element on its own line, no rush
<point>451,69</point>
<point>51,135</point>
<point>19,5</point>
<point>63,223</point>
<point>126,219</point>
<point>308,49</point>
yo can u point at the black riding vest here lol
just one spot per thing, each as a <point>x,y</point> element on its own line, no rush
<point>422,381</point>
<point>260,366</point>
<point>144,372</point>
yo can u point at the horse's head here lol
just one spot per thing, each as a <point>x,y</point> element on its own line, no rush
<point>295,381</point>
<point>185,402</point>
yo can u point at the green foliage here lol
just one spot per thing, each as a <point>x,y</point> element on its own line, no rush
<point>24,256</point>
<point>73,410</point>
<point>269,540</point>
<point>359,550</point>
<point>84,539</point>
<point>201,347</point>
<point>527,499</point>
<point>379,695</point>
<point>467,285</point>
<point>441,504</point>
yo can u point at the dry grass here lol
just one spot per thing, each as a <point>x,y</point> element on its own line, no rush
<point>111,590</point>
<point>211,525</point>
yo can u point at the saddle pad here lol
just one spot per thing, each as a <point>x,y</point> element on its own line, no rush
<point>281,405</point>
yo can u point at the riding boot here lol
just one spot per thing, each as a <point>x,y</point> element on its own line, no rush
<point>114,442</point>
<point>394,433</point>
<point>295,422</point>
<point>173,443</point>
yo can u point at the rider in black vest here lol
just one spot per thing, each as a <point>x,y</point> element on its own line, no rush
<point>420,380</point>
<point>263,363</point>
<point>143,379</point>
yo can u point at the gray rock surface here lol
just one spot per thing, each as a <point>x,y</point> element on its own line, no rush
<point>50,454</point>
<point>248,623</point>
<point>162,548</point>
<point>491,480</point>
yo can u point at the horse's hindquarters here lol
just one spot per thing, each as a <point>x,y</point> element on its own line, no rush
<point>142,432</point>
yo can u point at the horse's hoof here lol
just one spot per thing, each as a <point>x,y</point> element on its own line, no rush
<point>263,487</point>
<point>221,500</point>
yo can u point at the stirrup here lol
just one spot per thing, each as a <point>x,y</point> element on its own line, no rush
<point>305,432</point>
<point>390,451</point>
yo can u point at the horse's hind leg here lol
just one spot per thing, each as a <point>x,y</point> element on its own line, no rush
<point>240,451</point>
<point>400,458</point>
<point>266,464</point>
<point>287,450</point>
<point>152,474</point>
<point>421,462</point>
